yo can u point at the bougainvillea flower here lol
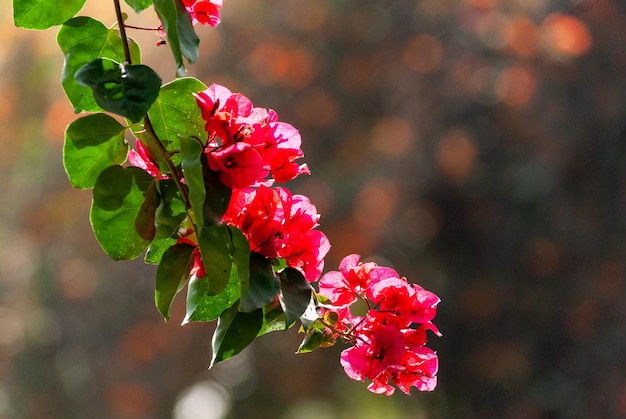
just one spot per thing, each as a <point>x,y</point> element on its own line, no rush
<point>204,12</point>
<point>389,341</point>
<point>278,224</point>
<point>352,280</point>
<point>232,119</point>
<point>383,350</point>
<point>141,158</point>
<point>239,165</point>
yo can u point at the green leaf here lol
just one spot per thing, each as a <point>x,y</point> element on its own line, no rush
<point>92,143</point>
<point>171,211</point>
<point>273,318</point>
<point>175,114</point>
<point>263,286</point>
<point>191,152</point>
<point>217,252</point>
<point>296,293</point>
<point>235,330</point>
<point>311,342</point>
<point>181,35</point>
<point>172,273</point>
<point>202,307</point>
<point>83,39</point>
<point>241,257</point>
<point>139,5</point>
<point>42,14</point>
<point>127,90</point>
<point>208,196</point>
<point>157,248</point>
<point>168,218</point>
<point>122,211</point>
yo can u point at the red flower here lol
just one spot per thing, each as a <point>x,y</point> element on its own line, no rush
<point>204,12</point>
<point>141,158</point>
<point>389,341</point>
<point>278,224</point>
<point>231,119</point>
<point>239,165</point>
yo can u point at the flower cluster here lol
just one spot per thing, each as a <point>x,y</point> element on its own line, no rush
<point>389,339</point>
<point>246,144</point>
<point>204,12</point>
<point>279,224</point>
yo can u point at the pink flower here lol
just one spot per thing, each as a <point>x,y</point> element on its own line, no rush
<point>278,224</point>
<point>231,119</point>
<point>352,280</point>
<point>141,158</point>
<point>239,165</point>
<point>389,341</point>
<point>204,12</point>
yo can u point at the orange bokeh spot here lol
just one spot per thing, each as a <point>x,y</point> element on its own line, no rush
<point>131,400</point>
<point>392,136</point>
<point>523,37</point>
<point>317,108</point>
<point>515,85</point>
<point>273,62</point>
<point>456,155</point>
<point>565,35</point>
<point>375,203</point>
<point>423,54</point>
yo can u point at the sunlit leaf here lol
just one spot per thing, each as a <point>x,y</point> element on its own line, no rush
<point>217,256</point>
<point>172,273</point>
<point>181,35</point>
<point>127,90</point>
<point>122,211</point>
<point>175,114</point>
<point>273,318</point>
<point>41,14</point>
<point>235,330</point>
<point>92,143</point>
<point>202,307</point>
<point>139,5</point>
<point>82,40</point>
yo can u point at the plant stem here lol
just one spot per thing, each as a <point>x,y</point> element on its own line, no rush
<point>168,161</point>
<point>147,124</point>
<point>120,24</point>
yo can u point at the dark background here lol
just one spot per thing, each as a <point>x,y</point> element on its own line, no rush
<point>476,146</point>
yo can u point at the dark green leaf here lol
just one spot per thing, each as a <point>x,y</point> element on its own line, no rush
<point>181,35</point>
<point>263,286</point>
<point>273,318</point>
<point>296,293</point>
<point>235,330</point>
<point>175,114</point>
<point>208,196</point>
<point>171,211</point>
<point>172,273</point>
<point>158,246</point>
<point>139,5</point>
<point>41,14</point>
<point>191,152</point>
<point>127,90</point>
<point>218,195</point>
<point>202,307</point>
<point>92,143</point>
<point>241,257</point>
<point>311,342</point>
<point>83,39</point>
<point>122,211</point>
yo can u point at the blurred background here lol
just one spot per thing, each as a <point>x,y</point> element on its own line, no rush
<point>476,146</point>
